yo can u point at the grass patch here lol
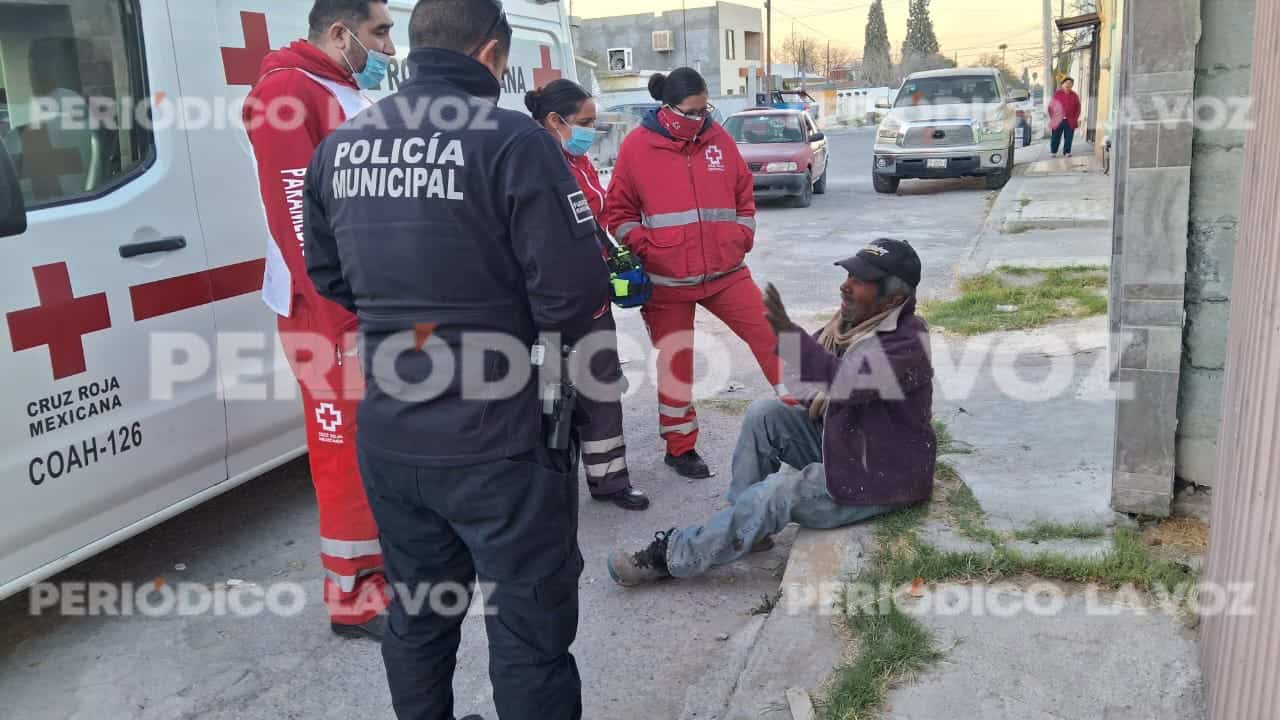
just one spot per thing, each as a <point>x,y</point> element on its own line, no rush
<point>1043,531</point>
<point>947,443</point>
<point>727,406</point>
<point>968,516</point>
<point>892,645</point>
<point>1057,294</point>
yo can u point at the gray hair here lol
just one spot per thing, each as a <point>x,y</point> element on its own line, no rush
<point>894,286</point>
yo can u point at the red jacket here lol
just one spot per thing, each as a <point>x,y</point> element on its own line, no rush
<point>1064,106</point>
<point>588,180</point>
<point>687,209</point>
<point>283,143</point>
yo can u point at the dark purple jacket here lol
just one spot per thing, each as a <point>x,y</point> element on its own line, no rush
<point>878,443</point>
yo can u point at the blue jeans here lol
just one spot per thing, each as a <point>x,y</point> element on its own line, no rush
<point>1063,136</point>
<point>764,500</point>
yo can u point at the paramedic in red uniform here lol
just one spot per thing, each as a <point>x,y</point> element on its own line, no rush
<point>321,78</point>
<point>682,199</point>
<point>567,111</point>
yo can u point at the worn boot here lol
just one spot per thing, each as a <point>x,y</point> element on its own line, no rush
<point>689,465</point>
<point>764,544</point>
<point>648,565</point>
<point>372,630</point>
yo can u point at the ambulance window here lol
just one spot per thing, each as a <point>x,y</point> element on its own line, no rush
<point>71,76</point>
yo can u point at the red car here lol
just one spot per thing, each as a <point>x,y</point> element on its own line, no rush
<point>786,152</point>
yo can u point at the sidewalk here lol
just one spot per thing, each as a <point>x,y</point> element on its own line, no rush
<point>1054,212</point>
<point>1026,463</point>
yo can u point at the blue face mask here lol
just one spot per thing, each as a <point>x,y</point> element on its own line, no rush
<point>581,141</point>
<point>375,67</point>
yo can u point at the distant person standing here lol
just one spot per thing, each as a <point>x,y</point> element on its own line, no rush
<point>1064,117</point>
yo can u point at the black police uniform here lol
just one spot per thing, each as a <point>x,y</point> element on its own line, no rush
<point>442,221</point>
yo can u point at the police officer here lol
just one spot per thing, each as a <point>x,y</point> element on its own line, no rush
<point>454,231</point>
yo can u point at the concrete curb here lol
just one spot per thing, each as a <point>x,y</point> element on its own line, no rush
<point>793,650</point>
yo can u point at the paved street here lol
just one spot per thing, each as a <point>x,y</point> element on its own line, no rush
<point>639,651</point>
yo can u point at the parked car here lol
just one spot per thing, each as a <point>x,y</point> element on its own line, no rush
<point>639,110</point>
<point>1026,113</point>
<point>796,100</point>
<point>786,152</point>
<point>947,124</point>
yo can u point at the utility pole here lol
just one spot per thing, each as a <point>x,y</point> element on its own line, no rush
<point>684,22</point>
<point>768,50</point>
<point>828,73</point>
<point>1061,35</point>
<point>1048,51</point>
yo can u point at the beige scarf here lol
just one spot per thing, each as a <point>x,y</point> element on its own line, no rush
<point>837,338</point>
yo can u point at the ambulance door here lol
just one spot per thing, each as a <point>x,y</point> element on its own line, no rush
<point>109,412</point>
<point>220,47</point>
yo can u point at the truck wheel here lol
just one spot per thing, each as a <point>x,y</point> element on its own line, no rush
<point>805,198</point>
<point>820,187</point>
<point>886,184</point>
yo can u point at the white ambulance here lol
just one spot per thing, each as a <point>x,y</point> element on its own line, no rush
<point>133,241</point>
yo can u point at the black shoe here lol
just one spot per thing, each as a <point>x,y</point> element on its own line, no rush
<point>372,630</point>
<point>689,465</point>
<point>648,565</point>
<point>629,499</point>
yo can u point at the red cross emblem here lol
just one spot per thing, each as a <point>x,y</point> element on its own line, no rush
<point>60,321</point>
<point>329,417</point>
<point>242,65</point>
<point>546,73</point>
<point>715,156</point>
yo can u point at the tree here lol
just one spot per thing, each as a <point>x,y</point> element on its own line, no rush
<point>993,60</point>
<point>835,57</point>
<point>877,61</point>
<point>921,39</point>
<point>920,63</point>
<point>805,53</point>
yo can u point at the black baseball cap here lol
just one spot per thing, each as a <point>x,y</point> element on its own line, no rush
<point>883,258</point>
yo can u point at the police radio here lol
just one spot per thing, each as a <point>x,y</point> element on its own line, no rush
<point>629,285</point>
<point>558,396</point>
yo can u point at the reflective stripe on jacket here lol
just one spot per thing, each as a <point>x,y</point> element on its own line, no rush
<point>687,209</point>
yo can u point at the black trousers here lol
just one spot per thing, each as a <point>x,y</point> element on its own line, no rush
<point>511,524</point>
<point>599,415</point>
<point>1063,135</point>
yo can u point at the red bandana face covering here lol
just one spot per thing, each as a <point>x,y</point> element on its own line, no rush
<point>680,127</point>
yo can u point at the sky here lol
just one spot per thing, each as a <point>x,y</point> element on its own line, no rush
<point>969,28</point>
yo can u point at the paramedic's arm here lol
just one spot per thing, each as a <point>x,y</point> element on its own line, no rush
<point>323,264</point>
<point>552,238</point>
<point>745,192</point>
<point>622,215</point>
<point>283,143</point>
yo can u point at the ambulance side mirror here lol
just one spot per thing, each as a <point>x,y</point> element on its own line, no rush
<point>13,211</point>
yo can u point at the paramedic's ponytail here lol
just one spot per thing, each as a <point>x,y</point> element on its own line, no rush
<point>562,97</point>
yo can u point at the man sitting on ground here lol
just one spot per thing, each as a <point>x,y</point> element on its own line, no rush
<point>864,443</point>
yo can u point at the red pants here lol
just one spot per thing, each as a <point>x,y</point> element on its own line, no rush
<point>669,316</point>
<point>329,374</point>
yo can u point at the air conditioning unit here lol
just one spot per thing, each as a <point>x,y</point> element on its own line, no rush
<point>620,60</point>
<point>663,41</point>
